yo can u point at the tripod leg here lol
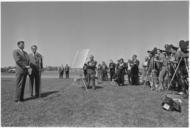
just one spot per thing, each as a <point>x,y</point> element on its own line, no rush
<point>186,66</point>
<point>174,73</point>
<point>147,74</point>
<point>84,84</point>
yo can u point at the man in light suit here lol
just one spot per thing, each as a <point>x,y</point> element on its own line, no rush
<point>36,63</point>
<point>22,64</point>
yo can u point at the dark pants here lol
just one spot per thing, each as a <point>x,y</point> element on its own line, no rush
<point>20,85</point>
<point>120,77</point>
<point>112,73</point>
<point>35,76</point>
<point>60,75</point>
<point>135,79</point>
<point>104,75</point>
<point>91,78</point>
<point>135,75</point>
<point>67,75</point>
<point>182,74</point>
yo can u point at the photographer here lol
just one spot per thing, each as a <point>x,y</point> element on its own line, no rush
<point>182,54</point>
<point>152,71</point>
<point>91,72</point>
<point>104,71</point>
<point>179,70</point>
<point>120,72</point>
<point>111,69</point>
<point>163,61</point>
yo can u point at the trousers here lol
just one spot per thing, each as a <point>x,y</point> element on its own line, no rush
<point>20,85</point>
<point>35,77</point>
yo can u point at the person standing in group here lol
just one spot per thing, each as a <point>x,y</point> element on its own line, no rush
<point>112,69</point>
<point>91,72</point>
<point>85,71</point>
<point>104,71</point>
<point>99,71</point>
<point>129,71</point>
<point>22,65</point>
<point>61,72</point>
<point>121,70</point>
<point>67,71</point>
<point>135,70</point>
<point>145,68</point>
<point>163,60</point>
<point>36,63</point>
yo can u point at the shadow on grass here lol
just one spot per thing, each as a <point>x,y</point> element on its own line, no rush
<point>45,94</point>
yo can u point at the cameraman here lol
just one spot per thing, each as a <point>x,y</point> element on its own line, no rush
<point>163,62</point>
<point>182,71</point>
<point>91,72</point>
<point>152,72</point>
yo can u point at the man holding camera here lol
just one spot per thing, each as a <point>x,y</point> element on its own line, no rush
<point>91,72</point>
<point>163,62</point>
<point>182,56</point>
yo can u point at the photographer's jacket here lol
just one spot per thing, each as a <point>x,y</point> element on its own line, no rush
<point>91,66</point>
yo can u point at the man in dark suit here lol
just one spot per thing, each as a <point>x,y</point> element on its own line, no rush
<point>135,70</point>
<point>22,64</point>
<point>67,70</point>
<point>61,72</point>
<point>36,63</point>
<point>104,71</point>
<point>120,74</point>
<point>112,69</point>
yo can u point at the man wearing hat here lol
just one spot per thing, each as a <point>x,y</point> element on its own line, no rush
<point>36,63</point>
<point>22,64</point>
<point>182,71</point>
<point>91,72</point>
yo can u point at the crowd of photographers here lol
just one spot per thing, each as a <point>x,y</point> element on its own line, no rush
<point>162,70</point>
<point>167,69</point>
<point>115,71</point>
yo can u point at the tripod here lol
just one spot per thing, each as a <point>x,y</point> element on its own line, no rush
<point>185,60</point>
<point>81,78</point>
<point>151,75</point>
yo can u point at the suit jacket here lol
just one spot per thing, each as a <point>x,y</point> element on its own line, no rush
<point>21,58</point>
<point>67,68</point>
<point>36,62</point>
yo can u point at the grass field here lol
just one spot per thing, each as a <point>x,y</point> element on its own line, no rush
<point>66,104</point>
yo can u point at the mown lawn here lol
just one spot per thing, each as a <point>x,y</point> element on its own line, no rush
<point>66,104</point>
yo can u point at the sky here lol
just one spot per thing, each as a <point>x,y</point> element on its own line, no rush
<point>110,30</point>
